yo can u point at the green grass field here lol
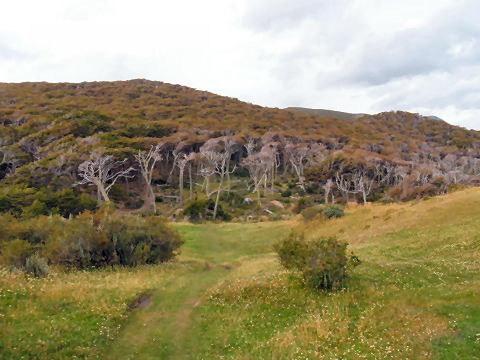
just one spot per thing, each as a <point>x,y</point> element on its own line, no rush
<point>416,295</point>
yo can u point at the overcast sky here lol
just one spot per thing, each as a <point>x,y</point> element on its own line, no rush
<point>351,55</point>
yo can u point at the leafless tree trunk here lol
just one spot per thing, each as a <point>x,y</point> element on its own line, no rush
<point>327,188</point>
<point>357,183</point>
<point>100,172</point>
<point>258,165</point>
<point>146,162</point>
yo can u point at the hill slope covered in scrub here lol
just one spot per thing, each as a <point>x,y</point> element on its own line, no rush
<point>414,296</point>
<point>47,130</point>
<point>323,112</point>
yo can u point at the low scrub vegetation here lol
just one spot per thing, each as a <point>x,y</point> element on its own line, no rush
<point>323,262</point>
<point>88,240</point>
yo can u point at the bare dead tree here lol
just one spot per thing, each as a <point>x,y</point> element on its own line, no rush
<point>328,188</point>
<point>399,175</point>
<point>146,162</point>
<point>299,155</point>
<point>356,183</point>
<point>362,184</point>
<point>230,146</point>
<point>101,172</point>
<point>217,159</point>
<point>258,165</point>
<point>181,163</point>
<point>270,151</point>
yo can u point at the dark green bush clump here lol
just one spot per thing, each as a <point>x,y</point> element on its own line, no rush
<point>200,210</point>
<point>323,262</point>
<point>89,240</point>
<point>334,211</point>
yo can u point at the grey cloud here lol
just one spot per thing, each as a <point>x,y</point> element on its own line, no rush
<point>279,15</point>
<point>416,51</point>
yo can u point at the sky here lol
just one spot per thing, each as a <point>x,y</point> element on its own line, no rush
<point>360,56</point>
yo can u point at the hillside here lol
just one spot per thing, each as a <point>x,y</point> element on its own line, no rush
<point>49,130</point>
<point>414,296</point>
<point>327,113</point>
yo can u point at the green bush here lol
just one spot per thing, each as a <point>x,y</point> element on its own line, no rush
<point>200,210</point>
<point>105,239</point>
<point>15,253</point>
<point>326,265</point>
<point>323,262</point>
<point>387,200</point>
<point>286,193</point>
<point>89,240</point>
<point>232,198</point>
<point>334,211</point>
<point>292,251</point>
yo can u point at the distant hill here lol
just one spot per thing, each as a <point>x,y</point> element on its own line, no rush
<point>322,112</point>
<point>48,129</point>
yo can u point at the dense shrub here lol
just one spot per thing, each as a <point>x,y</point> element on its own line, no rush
<point>292,251</point>
<point>333,211</point>
<point>36,266</point>
<point>200,210</point>
<point>286,193</point>
<point>97,240</point>
<point>231,198</point>
<point>323,262</point>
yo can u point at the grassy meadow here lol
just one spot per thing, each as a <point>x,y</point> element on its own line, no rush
<point>416,295</point>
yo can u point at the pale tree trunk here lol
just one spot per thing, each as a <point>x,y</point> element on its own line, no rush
<point>273,177</point>
<point>103,192</point>
<point>180,181</point>
<point>207,186</point>
<point>228,175</point>
<point>191,181</point>
<point>150,199</point>
<point>222,175</point>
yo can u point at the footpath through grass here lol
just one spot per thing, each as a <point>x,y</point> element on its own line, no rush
<point>416,295</point>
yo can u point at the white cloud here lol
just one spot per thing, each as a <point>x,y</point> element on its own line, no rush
<point>357,55</point>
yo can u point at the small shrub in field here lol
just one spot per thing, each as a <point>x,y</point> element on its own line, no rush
<point>387,200</point>
<point>334,211</point>
<point>36,266</point>
<point>326,265</point>
<point>286,193</point>
<point>292,251</point>
<point>323,262</point>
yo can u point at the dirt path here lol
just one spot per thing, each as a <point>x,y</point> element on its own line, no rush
<point>164,330</point>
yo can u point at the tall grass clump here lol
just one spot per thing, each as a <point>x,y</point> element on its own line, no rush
<point>323,262</point>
